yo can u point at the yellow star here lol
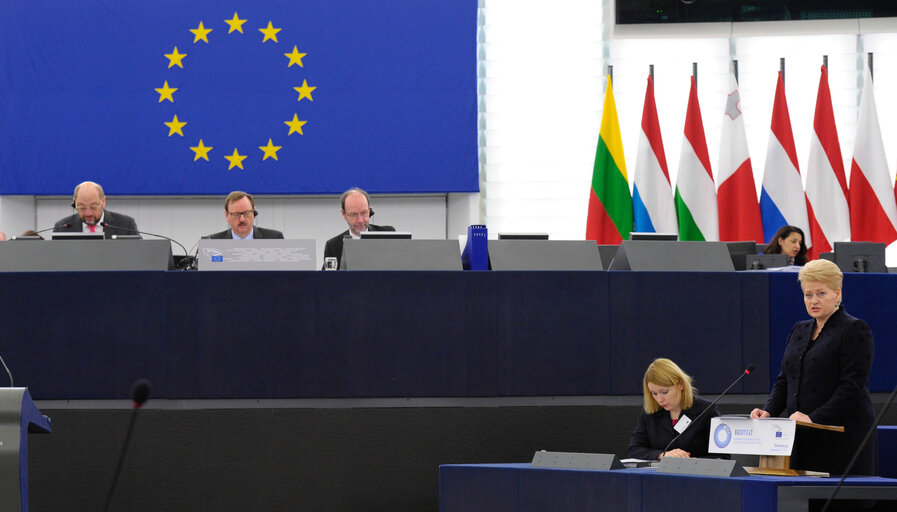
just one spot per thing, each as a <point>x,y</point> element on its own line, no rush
<point>236,160</point>
<point>235,24</point>
<point>202,151</point>
<point>270,32</point>
<point>200,33</point>
<point>166,93</point>
<point>295,125</point>
<point>270,150</point>
<point>305,91</point>
<point>175,126</point>
<point>295,57</point>
<point>175,58</point>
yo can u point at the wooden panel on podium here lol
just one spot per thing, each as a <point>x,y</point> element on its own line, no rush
<point>780,465</point>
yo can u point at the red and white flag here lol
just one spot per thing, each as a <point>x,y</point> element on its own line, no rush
<point>739,211</point>
<point>873,211</point>
<point>827,204</point>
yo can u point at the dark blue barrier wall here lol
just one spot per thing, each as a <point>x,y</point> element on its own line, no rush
<point>83,335</point>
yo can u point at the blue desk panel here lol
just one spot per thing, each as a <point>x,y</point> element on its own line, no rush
<point>86,335</point>
<point>520,487</point>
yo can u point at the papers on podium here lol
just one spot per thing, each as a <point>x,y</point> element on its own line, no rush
<point>742,435</point>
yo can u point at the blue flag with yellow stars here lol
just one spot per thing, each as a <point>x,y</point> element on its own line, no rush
<point>268,96</point>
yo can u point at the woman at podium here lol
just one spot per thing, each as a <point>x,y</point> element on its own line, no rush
<point>825,378</point>
<point>670,406</point>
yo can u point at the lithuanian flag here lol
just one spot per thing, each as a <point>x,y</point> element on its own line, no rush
<point>610,203</point>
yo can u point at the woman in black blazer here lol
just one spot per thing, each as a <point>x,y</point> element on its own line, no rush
<point>670,401</point>
<point>825,378</point>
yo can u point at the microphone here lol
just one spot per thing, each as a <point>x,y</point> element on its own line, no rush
<point>64,226</point>
<point>106,224</point>
<point>7,371</point>
<point>140,392</point>
<point>747,371</point>
<point>862,445</point>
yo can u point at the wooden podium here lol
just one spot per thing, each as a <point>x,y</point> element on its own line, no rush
<point>780,465</point>
<point>18,417</point>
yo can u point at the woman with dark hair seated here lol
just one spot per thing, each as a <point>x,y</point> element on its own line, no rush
<point>789,240</point>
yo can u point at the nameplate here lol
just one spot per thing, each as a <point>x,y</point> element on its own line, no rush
<point>740,435</point>
<point>273,254</point>
<point>574,460</point>
<point>700,467</point>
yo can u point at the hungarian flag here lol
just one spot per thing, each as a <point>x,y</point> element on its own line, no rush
<point>739,212</point>
<point>695,191</point>
<point>782,199</point>
<point>652,197</point>
<point>873,211</point>
<point>610,205</point>
<point>827,203</point>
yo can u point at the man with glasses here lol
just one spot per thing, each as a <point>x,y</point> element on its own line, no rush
<point>240,214</point>
<point>92,217</point>
<point>355,205</point>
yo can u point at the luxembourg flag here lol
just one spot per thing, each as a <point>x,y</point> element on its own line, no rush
<point>827,205</point>
<point>652,196</point>
<point>782,198</point>
<point>873,211</point>
<point>695,191</point>
<point>739,213</point>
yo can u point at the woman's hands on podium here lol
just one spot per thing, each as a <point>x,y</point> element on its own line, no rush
<point>678,452</point>
<point>759,413</point>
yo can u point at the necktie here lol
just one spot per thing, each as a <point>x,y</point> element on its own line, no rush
<point>92,227</point>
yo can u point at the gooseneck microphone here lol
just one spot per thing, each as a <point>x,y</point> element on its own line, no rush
<point>106,224</point>
<point>747,371</point>
<point>140,392</point>
<point>7,372</point>
<point>36,233</point>
<point>856,455</point>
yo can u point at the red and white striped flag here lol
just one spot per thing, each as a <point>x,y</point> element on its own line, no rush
<point>739,212</point>
<point>873,211</point>
<point>827,204</point>
<point>695,194</point>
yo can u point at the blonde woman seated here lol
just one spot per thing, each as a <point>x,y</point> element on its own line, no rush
<point>670,402</point>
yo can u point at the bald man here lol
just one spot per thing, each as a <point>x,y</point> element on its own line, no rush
<point>92,217</point>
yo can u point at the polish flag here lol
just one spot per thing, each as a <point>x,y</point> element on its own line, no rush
<point>873,210</point>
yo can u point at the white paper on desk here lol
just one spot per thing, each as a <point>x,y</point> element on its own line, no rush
<point>741,435</point>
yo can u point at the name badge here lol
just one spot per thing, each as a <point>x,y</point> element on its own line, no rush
<point>682,424</point>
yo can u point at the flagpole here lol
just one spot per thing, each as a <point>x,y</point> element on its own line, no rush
<point>735,69</point>
<point>694,73</point>
<point>610,72</point>
<point>782,68</point>
<point>825,61</point>
<point>869,63</point>
<point>651,71</point>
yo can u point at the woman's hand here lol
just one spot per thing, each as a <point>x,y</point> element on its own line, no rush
<point>675,453</point>
<point>799,416</point>
<point>759,413</point>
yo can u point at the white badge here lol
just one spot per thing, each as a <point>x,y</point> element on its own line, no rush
<point>682,424</point>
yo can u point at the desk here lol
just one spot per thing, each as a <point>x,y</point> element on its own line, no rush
<point>89,335</point>
<point>522,488</point>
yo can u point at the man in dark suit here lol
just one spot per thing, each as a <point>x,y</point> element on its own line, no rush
<point>240,213</point>
<point>92,217</point>
<point>355,205</point>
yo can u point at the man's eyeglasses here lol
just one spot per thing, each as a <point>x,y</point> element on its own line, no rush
<point>85,207</point>
<point>355,216</point>
<point>237,215</point>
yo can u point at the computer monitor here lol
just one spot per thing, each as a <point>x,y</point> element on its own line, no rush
<point>386,235</point>
<point>765,261</point>
<point>860,256</point>
<point>666,237</point>
<point>738,251</point>
<point>523,236</point>
<point>77,236</point>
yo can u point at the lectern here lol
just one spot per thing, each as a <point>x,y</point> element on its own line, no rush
<point>18,417</point>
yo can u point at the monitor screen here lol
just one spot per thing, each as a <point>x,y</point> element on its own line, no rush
<point>764,261</point>
<point>668,237</point>
<point>77,236</point>
<point>738,251</point>
<point>860,256</point>
<point>386,235</point>
<point>523,236</point>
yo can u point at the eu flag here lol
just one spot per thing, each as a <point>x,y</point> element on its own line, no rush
<point>270,96</point>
